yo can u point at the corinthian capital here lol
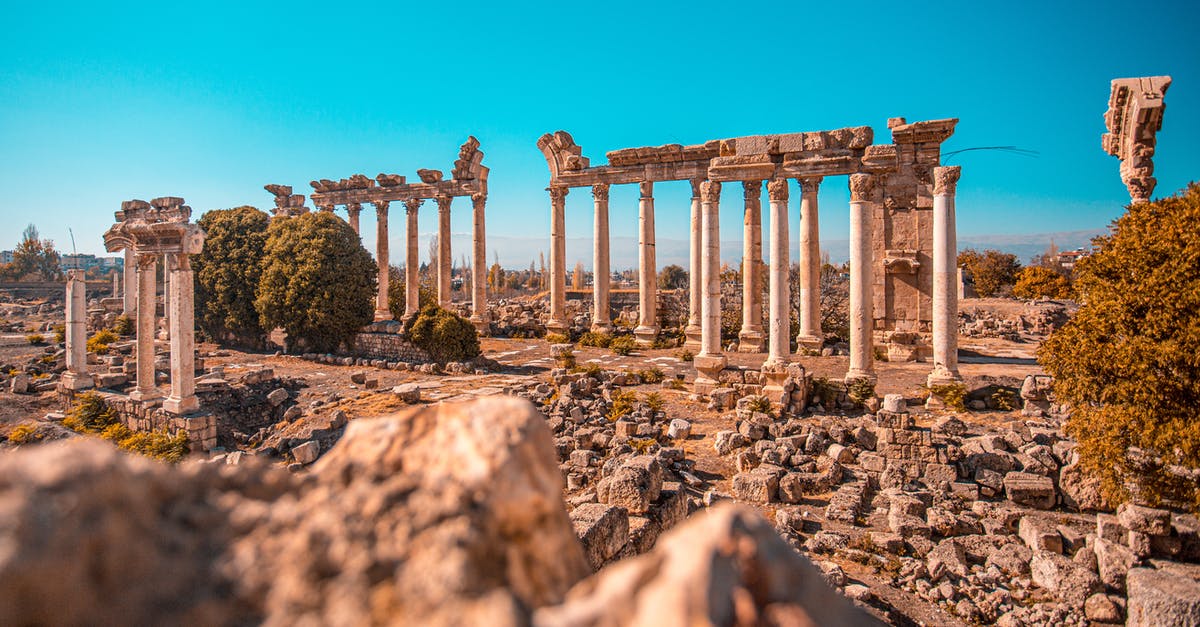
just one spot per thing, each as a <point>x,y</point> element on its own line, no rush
<point>353,208</point>
<point>647,189</point>
<point>478,199</point>
<point>861,186</point>
<point>752,191</point>
<point>600,191</point>
<point>945,180</point>
<point>558,194</point>
<point>443,202</point>
<point>810,184</point>
<point>381,208</point>
<point>710,192</point>
<point>696,183</point>
<point>777,190</point>
<point>412,204</point>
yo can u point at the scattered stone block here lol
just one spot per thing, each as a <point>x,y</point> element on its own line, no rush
<point>1063,578</point>
<point>306,453</point>
<point>1040,534</point>
<point>408,393</point>
<point>1153,522</point>
<point>1158,598</point>
<point>1028,489</point>
<point>679,429</point>
<point>602,529</point>
<point>277,397</point>
<point>757,486</point>
<point>1113,562</point>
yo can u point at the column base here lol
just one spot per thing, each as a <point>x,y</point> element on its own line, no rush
<point>180,406</point>
<point>76,381</point>
<point>708,372</point>
<point>482,326</point>
<point>692,337</point>
<point>145,396</point>
<point>942,376</point>
<point>751,340</point>
<point>646,335</point>
<point>602,327</point>
<point>810,342</point>
<point>556,326</point>
<point>383,314</point>
<point>851,375</point>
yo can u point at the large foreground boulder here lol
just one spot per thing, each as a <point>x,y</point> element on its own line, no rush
<point>724,567</point>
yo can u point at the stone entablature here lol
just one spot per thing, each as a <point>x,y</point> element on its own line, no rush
<point>1134,116</point>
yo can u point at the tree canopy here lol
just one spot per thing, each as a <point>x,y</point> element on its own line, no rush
<point>227,275</point>
<point>1129,362</point>
<point>34,258</point>
<point>1038,281</point>
<point>991,270</point>
<point>672,277</point>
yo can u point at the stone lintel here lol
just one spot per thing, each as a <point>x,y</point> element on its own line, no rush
<point>935,131</point>
<point>400,193</point>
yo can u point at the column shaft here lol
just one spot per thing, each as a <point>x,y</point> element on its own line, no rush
<point>601,275</point>
<point>131,283</point>
<point>710,264</point>
<point>76,377</point>
<point>479,313</point>
<point>146,322</point>
<point>647,329</point>
<point>861,307</point>
<point>779,332</point>
<point>945,278</point>
<point>695,280</point>
<point>382,311</point>
<point>352,212</point>
<point>810,335</point>
<point>750,337</point>
<point>558,264</point>
<point>182,399</point>
<point>412,262</point>
<point>443,249</point>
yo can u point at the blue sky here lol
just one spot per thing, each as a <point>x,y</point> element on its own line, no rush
<point>100,103</point>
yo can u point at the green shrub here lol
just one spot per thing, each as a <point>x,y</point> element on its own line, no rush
<point>90,414</point>
<point>622,345</point>
<point>1004,400</point>
<point>35,339</point>
<point>443,334</point>
<point>641,446</point>
<point>760,404</point>
<point>593,370</point>
<point>859,390</point>
<point>686,355</point>
<point>557,338</point>
<point>227,275</point>
<point>880,353</point>
<point>826,392</point>
<point>651,375</point>
<point>953,395</point>
<point>24,434</point>
<point>676,384</point>
<point>622,404</point>
<point>598,340</point>
<point>666,341</point>
<point>60,333</point>
<point>123,325</point>
<point>654,401</point>
<point>100,342</point>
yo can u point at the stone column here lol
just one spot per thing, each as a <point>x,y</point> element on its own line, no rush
<point>182,399</point>
<point>382,312</point>
<point>353,210</point>
<point>412,263</point>
<point>76,377</point>
<point>165,331</point>
<point>443,250</point>
<point>147,266</point>
<point>779,331</point>
<point>647,329</point>
<point>695,282</point>
<point>116,288</point>
<point>945,278</point>
<point>861,313</point>
<point>558,263</point>
<point>479,313</point>
<point>711,360</point>
<point>750,338</point>
<point>131,283</point>
<point>810,335</point>
<point>601,273</point>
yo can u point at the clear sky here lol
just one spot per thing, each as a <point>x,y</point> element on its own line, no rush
<point>100,103</point>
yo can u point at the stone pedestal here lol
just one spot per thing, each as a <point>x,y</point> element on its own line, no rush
<point>945,278</point>
<point>182,399</point>
<point>708,372</point>
<point>601,272</point>
<point>444,251</point>
<point>557,323</point>
<point>647,329</point>
<point>780,289</point>
<point>695,281</point>
<point>862,360</point>
<point>382,311</point>
<point>750,337</point>
<point>479,313</point>
<point>810,335</point>
<point>775,375</point>
<point>146,321</point>
<point>76,377</point>
<point>412,263</point>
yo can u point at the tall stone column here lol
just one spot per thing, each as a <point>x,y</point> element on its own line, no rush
<point>382,311</point>
<point>711,360</point>
<point>647,329</point>
<point>779,330</point>
<point>131,283</point>
<point>695,281</point>
<point>116,287</point>
<point>165,332</point>
<point>558,263</point>
<point>862,364</point>
<point>945,278</point>
<point>443,250</point>
<point>601,273</point>
<point>750,338</point>
<point>352,212</point>
<point>182,399</point>
<point>810,335</point>
<point>147,266</point>
<point>76,377</point>
<point>479,313</point>
<point>412,263</point>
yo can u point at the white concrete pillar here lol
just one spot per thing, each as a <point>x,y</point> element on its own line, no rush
<point>412,262</point>
<point>711,360</point>
<point>945,278</point>
<point>182,399</point>
<point>647,329</point>
<point>558,263</point>
<point>131,283</point>
<point>146,322</point>
<point>750,337</point>
<point>443,250</point>
<point>382,312</point>
<point>479,313</point>
<point>76,377</point>
<point>353,210</point>
<point>862,359</point>
<point>810,335</point>
<point>601,272</point>
<point>780,329</point>
<point>695,281</point>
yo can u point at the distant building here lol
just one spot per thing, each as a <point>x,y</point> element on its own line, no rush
<point>6,256</point>
<point>87,262</point>
<point>1068,259</point>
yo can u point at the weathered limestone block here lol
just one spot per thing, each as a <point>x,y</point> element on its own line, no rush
<point>307,452</point>
<point>726,441</point>
<point>1159,597</point>
<point>1039,534</point>
<point>603,531</point>
<point>760,485</point>
<point>1153,522</point>
<point>1063,578</point>
<point>1113,561</point>
<point>947,557</point>
<point>1028,489</point>
<point>634,486</point>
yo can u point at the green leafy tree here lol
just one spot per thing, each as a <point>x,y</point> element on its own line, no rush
<point>672,277</point>
<point>445,335</point>
<point>36,258</point>
<point>227,275</point>
<point>1038,281</point>
<point>318,282</point>
<point>991,270</point>
<point>1127,363</point>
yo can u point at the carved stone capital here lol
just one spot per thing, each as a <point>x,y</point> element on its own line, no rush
<point>861,186</point>
<point>326,208</point>
<point>600,191</point>
<point>777,189</point>
<point>412,204</point>
<point>179,262</point>
<point>146,261</point>
<point>478,199</point>
<point>1140,188</point>
<point>945,179</point>
<point>443,203</point>
<point>710,192</point>
<point>810,184</point>
<point>558,194</point>
<point>354,208</point>
<point>696,183</point>
<point>752,191</point>
<point>647,189</point>
<point>381,208</point>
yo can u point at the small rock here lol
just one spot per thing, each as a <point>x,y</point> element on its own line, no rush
<point>306,453</point>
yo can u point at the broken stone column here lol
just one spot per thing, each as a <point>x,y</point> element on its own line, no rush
<point>412,264</point>
<point>131,283</point>
<point>601,273</point>
<point>353,210</point>
<point>779,331</point>
<point>647,329</point>
<point>711,360</point>
<point>558,263</point>
<point>945,278</point>
<point>382,311</point>
<point>146,390</point>
<point>695,282</point>
<point>443,250</point>
<point>750,337</point>
<point>479,315</point>
<point>810,335</point>
<point>76,377</point>
<point>861,278</point>
<point>182,399</point>
<point>1134,117</point>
